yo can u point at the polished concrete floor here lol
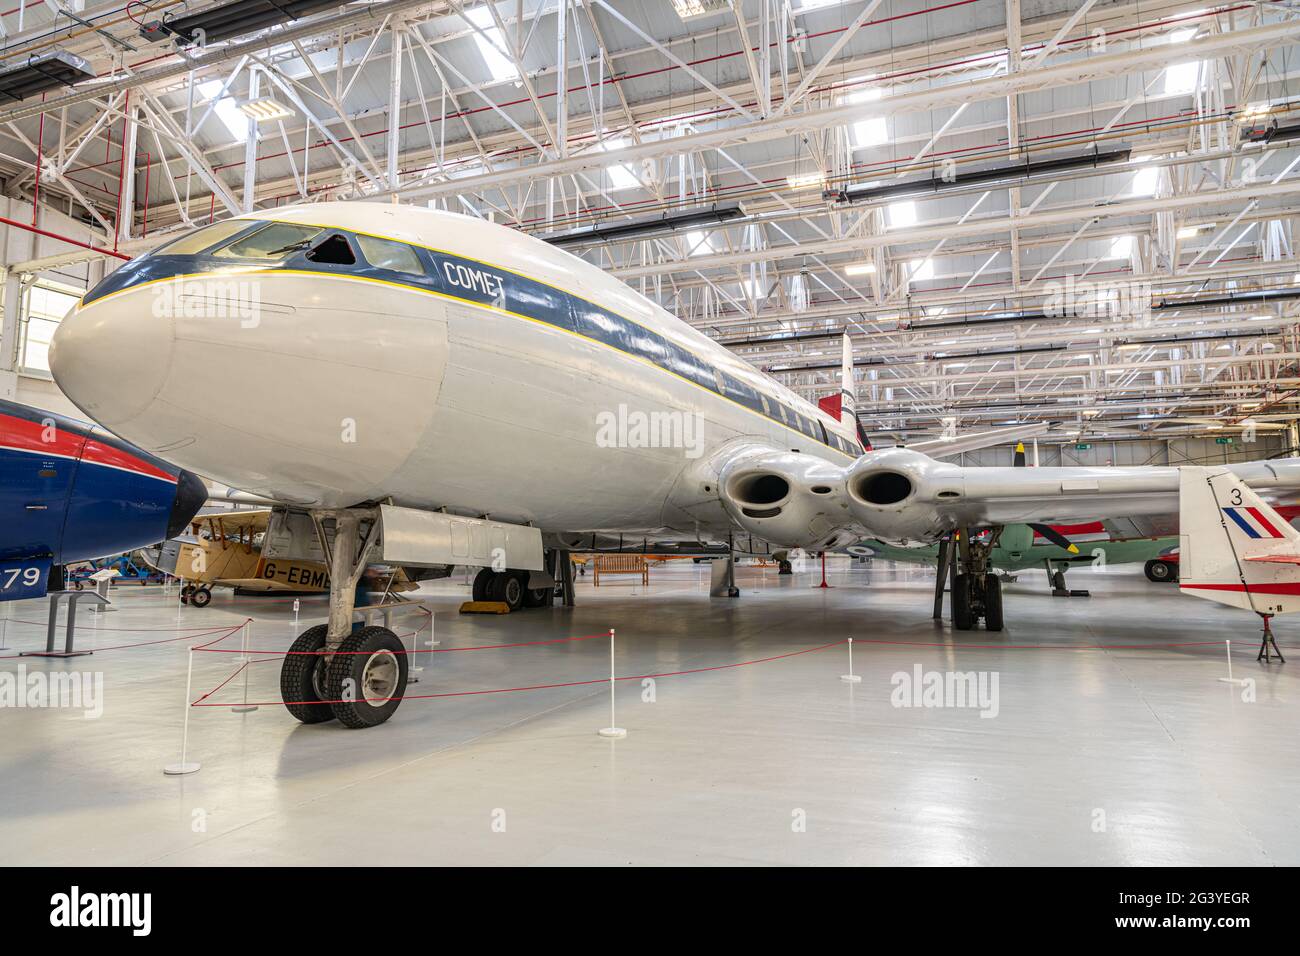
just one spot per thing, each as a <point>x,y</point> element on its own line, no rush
<point>1079,750</point>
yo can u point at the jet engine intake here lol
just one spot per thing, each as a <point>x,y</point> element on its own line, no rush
<point>789,499</point>
<point>893,494</point>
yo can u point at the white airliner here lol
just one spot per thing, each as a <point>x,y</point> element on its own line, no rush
<point>436,389</point>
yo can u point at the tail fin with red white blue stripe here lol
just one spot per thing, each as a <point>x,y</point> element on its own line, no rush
<point>1233,547</point>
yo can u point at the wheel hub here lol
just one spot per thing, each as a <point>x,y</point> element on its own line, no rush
<point>379,677</point>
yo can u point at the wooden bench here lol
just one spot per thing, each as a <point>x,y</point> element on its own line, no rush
<point>621,564</point>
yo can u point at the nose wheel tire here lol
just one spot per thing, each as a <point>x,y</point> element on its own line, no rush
<point>367,677</point>
<point>302,678</point>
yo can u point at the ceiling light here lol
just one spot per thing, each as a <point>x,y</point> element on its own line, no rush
<point>690,9</point>
<point>1188,232</point>
<point>860,269</point>
<point>806,181</point>
<point>265,109</point>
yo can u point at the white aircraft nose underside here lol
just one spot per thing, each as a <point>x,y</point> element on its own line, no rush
<point>324,383</point>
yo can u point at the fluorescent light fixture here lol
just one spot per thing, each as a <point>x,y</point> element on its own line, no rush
<point>900,215</point>
<point>226,110</point>
<point>1121,247</point>
<point>490,44</point>
<point>1129,347</point>
<point>265,109</point>
<point>918,270</point>
<point>690,9</point>
<point>860,269</point>
<point>1182,78</point>
<point>806,181</point>
<point>1188,232</point>
<point>1253,112</point>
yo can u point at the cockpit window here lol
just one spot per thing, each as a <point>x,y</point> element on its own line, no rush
<point>334,251</point>
<point>276,241</point>
<point>386,254</point>
<point>195,242</point>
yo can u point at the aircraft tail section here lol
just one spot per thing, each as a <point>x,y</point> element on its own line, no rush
<point>1233,547</point>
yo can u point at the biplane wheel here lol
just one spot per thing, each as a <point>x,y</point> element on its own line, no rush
<point>481,582</point>
<point>201,597</point>
<point>302,678</point>
<point>367,677</point>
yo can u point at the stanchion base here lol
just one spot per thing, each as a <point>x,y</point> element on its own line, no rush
<point>1232,680</point>
<point>614,732</point>
<point>176,769</point>
<point>851,678</point>
<point>54,653</point>
<point>244,708</point>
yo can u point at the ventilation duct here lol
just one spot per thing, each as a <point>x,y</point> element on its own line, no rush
<point>43,73</point>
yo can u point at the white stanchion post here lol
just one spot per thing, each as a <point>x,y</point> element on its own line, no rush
<point>613,730</point>
<point>851,677</point>
<point>296,604</point>
<point>1229,679</point>
<point>176,769</point>
<point>245,707</point>
<point>4,633</point>
<point>242,657</point>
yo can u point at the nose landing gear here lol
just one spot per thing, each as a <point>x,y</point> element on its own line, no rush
<point>333,672</point>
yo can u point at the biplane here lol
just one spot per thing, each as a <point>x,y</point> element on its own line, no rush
<point>225,550</point>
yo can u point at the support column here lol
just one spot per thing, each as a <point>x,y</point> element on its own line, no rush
<point>394,99</point>
<point>126,202</point>
<point>250,146</point>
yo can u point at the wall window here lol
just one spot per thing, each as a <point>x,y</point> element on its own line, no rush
<point>44,306</point>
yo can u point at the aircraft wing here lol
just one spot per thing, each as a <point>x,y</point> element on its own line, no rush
<point>972,441</point>
<point>901,495</point>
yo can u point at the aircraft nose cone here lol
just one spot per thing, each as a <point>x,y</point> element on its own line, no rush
<point>111,358</point>
<point>191,495</point>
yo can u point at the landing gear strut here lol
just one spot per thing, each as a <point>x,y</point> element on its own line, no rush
<point>331,671</point>
<point>1057,580</point>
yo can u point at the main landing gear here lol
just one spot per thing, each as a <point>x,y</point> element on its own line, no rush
<point>332,672</point>
<point>1161,572</point>
<point>511,589</point>
<point>1057,580</point>
<point>976,589</point>
<point>198,595</point>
